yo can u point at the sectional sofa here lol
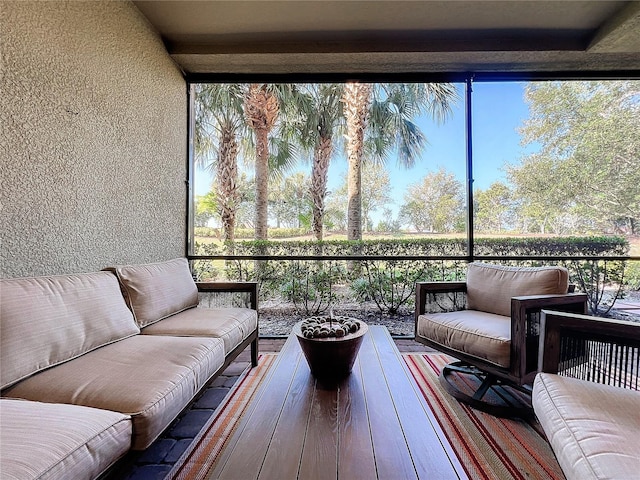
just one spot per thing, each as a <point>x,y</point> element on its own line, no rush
<point>94,365</point>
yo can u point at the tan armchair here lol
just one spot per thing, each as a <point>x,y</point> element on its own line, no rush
<point>490,324</point>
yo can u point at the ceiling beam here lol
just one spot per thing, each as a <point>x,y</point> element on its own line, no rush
<point>447,41</point>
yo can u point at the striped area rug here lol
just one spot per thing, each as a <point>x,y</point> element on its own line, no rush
<point>199,459</point>
<point>488,447</point>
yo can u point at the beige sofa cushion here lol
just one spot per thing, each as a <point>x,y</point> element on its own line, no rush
<point>490,287</point>
<point>480,334</point>
<point>59,442</point>
<point>232,325</point>
<point>150,378</point>
<point>157,290</point>
<point>593,428</point>
<point>51,319</point>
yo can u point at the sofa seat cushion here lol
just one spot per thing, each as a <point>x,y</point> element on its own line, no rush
<point>51,319</point>
<point>593,428</point>
<point>150,378</point>
<point>55,441</point>
<point>483,335</point>
<point>232,325</point>
<point>491,287</point>
<point>155,291</point>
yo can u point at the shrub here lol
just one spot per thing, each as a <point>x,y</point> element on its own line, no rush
<point>632,277</point>
<point>593,277</point>
<point>311,288</point>
<point>203,270</point>
<point>390,284</point>
<point>206,232</point>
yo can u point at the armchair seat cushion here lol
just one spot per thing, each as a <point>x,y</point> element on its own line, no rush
<point>232,325</point>
<point>483,335</point>
<point>593,428</point>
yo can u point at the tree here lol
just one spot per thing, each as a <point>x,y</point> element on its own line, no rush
<point>335,214</point>
<point>289,201</point>
<point>589,137</point>
<point>388,223</point>
<point>218,124</point>
<point>261,109</point>
<point>435,204</point>
<point>245,213</point>
<point>322,116</point>
<point>376,186</point>
<point>206,207</point>
<point>540,200</point>
<point>494,208</point>
<point>379,120</point>
<point>357,99</point>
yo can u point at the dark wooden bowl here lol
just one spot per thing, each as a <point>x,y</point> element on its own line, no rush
<point>333,357</point>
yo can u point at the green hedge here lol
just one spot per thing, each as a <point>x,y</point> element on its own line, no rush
<point>390,283</point>
<point>511,246</point>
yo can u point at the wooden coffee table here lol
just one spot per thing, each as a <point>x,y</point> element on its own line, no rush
<point>374,424</point>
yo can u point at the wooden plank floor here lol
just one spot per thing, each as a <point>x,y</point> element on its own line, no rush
<point>374,424</point>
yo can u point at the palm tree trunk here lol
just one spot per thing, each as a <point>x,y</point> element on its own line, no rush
<point>261,112</point>
<point>354,199</point>
<point>319,173</point>
<point>227,177</point>
<point>262,183</point>
<point>357,99</point>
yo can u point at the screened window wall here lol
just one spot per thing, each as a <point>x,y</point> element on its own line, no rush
<point>328,193</point>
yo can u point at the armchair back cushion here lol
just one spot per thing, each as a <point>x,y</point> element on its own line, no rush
<point>48,320</point>
<point>155,291</point>
<point>490,287</point>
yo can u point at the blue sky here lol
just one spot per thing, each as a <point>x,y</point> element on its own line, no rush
<point>498,111</point>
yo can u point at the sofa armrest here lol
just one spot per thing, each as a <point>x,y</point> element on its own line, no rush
<point>424,289</point>
<point>232,287</point>
<point>591,348</point>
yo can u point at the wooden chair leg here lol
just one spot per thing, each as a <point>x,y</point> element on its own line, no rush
<point>254,353</point>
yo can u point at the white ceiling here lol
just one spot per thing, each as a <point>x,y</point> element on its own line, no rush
<point>311,36</point>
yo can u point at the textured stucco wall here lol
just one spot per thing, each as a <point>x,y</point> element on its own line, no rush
<point>93,118</point>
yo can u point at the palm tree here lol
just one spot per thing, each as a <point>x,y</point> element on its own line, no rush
<point>357,100</point>
<point>265,107</point>
<point>218,124</point>
<point>321,111</point>
<point>261,109</point>
<point>379,120</point>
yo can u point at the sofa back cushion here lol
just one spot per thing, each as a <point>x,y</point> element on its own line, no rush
<point>155,291</point>
<point>51,319</point>
<point>490,287</point>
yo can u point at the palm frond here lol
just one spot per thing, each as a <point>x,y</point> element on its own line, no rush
<point>283,156</point>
